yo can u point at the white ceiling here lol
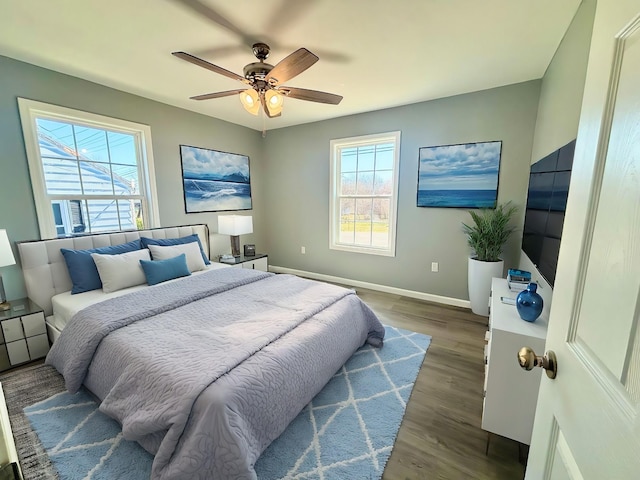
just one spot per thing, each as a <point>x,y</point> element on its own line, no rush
<point>375,53</point>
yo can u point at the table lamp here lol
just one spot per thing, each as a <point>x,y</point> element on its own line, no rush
<point>6,258</point>
<point>235,225</point>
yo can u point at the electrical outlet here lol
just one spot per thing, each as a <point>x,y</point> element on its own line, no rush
<point>434,266</point>
<point>303,250</point>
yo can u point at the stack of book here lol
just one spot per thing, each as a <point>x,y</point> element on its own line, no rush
<point>518,279</point>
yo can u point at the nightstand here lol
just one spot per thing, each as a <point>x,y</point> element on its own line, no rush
<point>259,261</point>
<point>23,334</point>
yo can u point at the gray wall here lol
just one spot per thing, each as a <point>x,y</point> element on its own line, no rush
<point>563,86</point>
<point>290,168</point>
<point>560,104</point>
<point>170,127</point>
<point>297,188</point>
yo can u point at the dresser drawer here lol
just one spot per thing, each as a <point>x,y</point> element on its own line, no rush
<point>38,346</point>
<point>34,324</point>
<point>18,352</point>
<point>258,264</point>
<point>12,330</point>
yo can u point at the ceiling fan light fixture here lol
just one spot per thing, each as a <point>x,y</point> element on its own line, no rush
<point>274,101</point>
<point>250,101</point>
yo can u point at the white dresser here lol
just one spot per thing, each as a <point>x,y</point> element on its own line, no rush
<point>510,393</point>
<point>8,453</point>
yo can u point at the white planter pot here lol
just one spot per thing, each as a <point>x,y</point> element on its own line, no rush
<point>479,279</point>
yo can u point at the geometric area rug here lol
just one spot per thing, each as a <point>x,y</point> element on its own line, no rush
<point>346,431</point>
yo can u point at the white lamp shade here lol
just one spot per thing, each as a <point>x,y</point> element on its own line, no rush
<point>235,224</point>
<point>6,254</point>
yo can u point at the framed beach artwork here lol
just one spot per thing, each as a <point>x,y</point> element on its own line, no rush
<point>214,181</point>
<point>459,176</point>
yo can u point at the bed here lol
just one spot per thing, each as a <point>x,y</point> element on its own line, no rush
<point>204,371</point>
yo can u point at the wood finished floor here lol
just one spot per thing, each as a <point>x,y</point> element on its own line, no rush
<point>440,436</point>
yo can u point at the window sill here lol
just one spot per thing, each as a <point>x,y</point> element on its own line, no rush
<point>365,250</point>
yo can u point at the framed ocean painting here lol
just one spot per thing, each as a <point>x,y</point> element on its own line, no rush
<point>459,176</point>
<point>214,181</point>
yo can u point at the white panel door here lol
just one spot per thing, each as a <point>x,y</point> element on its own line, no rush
<point>587,423</point>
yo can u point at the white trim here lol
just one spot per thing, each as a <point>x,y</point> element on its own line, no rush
<point>429,297</point>
<point>31,109</point>
<point>149,175</point>
<point>568,460</point>
<point>334,206</point>
<point>46,222</point>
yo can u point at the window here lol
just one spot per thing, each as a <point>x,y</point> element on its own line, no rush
<point>364,193</point>
<point>89,173</point>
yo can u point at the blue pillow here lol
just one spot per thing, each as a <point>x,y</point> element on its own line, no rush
<point>82,269</point>
<point>158,271</point>
<point>163,242</point>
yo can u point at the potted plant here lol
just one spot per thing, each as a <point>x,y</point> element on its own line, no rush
<point>487,235</point>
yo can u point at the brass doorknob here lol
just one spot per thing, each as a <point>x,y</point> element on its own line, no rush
<point>528,359</point>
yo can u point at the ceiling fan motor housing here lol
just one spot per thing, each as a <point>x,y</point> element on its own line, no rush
<point>261,51</point>
<point>257,70</point>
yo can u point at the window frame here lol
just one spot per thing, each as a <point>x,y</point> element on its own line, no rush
<point>30,110</point>
<point>336,146</point>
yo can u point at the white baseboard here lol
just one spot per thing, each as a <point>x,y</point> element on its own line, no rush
<point>456,302</point>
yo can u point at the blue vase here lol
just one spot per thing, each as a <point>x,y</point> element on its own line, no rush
<point>529,303</point>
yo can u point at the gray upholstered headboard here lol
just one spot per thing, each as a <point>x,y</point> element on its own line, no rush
<point>45,271</point>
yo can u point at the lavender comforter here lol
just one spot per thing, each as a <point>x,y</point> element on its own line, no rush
<point>206,372</point>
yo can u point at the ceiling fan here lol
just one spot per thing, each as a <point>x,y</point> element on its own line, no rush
<point>264,81</point>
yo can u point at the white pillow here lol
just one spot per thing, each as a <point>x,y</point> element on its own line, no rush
<point>121,271</point>
<point>191,250</point>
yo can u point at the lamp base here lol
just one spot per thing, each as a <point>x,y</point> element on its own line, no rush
<point>4,304</point>
<point>235,245</point>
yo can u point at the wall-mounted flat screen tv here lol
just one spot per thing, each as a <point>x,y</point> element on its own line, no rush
<point>546,203</point>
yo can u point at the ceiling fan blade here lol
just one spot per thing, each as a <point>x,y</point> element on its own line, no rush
<point>287,13</point>
<point>329,55</point>
<point>293,65</point>
<point>209,12</point>
<point>209,96</point>
<point>311,95</point>
<point>219,52</point>
<point>266,108</point>
<point>209,66</point>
